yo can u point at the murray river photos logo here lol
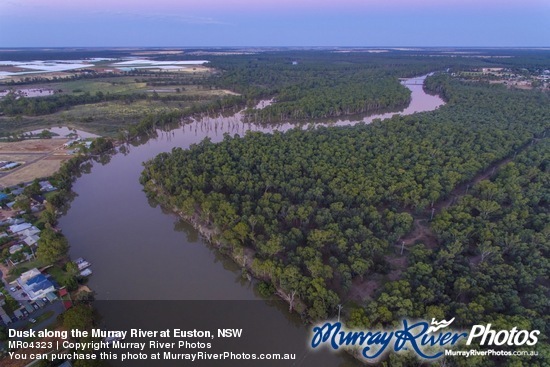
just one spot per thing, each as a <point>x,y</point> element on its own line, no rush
<point>427,340</point>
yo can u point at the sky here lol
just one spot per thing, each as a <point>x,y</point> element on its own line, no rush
<point>203,23</point>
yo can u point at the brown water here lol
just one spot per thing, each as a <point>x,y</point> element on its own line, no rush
<point>140,252</point>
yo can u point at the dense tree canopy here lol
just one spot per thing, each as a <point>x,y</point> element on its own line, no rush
<point>492,263</point>
<point>320,207</point>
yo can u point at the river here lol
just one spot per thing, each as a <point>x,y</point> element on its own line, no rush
<point>140,252</point>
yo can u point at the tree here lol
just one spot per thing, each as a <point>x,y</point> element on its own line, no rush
<point>79,317</point>
<point>23,202</point>
<point>72,268</point>
<point>51,246</point>
<point>3,333</point>
<point>32,189</point>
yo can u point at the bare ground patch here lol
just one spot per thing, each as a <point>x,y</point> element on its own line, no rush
<point>421,233</point>
<point>362,290</point>
<point>33,145</point>
<point>39,158</point>
<point>42,168</point>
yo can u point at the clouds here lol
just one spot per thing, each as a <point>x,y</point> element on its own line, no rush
<point>159,17</point>
<point>274,23</point>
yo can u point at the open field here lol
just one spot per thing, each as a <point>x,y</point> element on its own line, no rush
<point>33,146</point>
<point>105,118</point>
<point>41,157</point>
<point>115,84</point>
<point>136,97</point>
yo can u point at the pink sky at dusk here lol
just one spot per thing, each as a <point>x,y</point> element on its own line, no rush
<point>14,6</point>
<point>274,22</point>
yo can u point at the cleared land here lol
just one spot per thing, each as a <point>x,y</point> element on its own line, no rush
<point>136,96</point>
<point>32,146</point>
<point>40,158</point>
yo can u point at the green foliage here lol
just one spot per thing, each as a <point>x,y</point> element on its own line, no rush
<point>71,268</point>
<point>79,317</point>
<point>85,297</point>
<point>22,202</point>
<point>11,304</point>
<point>32,189</point>
<point>487,268</point>
<point>101,145</point>
<point>332,200</point>
<point>52,246</point>
<point>266,289</point>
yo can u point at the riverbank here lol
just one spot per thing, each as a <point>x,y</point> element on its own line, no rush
<point>231,240</point>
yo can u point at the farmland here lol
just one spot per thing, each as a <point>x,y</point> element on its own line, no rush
<point>98,99</point>
<point>39,158</point>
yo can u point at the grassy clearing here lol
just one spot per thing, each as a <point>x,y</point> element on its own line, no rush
<point>101,118</point>
<point>58,274</point>
<point>117,84</point>
<point>108,118</point>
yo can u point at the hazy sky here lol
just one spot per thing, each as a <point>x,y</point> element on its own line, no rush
<point>49,23</point>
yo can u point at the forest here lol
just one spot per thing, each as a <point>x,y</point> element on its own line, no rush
<point>491,264</point>
<point>319,84</point>
<point>311,211</point>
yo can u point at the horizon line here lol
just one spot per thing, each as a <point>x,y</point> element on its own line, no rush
<point>252,46</point>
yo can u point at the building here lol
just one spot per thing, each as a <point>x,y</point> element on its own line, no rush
<point>35,284</point>
<point>16,228</point>
<point>17,191</point>
<point>31,231</point>
<point>31,240</point>
<point>4,316</point>
<point>46,186</point>
<point>39,199</point>
<point>15,248</point>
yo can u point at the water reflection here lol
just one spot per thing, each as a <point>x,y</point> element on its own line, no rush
<point>142,252</point>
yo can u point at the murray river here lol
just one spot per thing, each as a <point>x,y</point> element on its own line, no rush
<point>149,266</point>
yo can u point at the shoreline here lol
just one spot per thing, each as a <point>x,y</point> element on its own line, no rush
<point>209,235</point>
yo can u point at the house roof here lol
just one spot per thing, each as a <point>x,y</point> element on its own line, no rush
<point>20,227</point>
<point>31,240</point>
<point>17,191</point>
<point>38,198</point>
<point>28,275</point>
<point>31,231</point>
<point>39,283</point>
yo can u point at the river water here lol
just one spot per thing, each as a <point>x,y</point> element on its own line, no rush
<point>140,252</point>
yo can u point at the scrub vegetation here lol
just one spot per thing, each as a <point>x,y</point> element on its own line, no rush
<point>314,213</point>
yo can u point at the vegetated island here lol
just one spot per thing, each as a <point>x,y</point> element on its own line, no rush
<point>318,214</point>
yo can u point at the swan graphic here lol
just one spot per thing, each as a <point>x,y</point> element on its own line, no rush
<point>439,325</point>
